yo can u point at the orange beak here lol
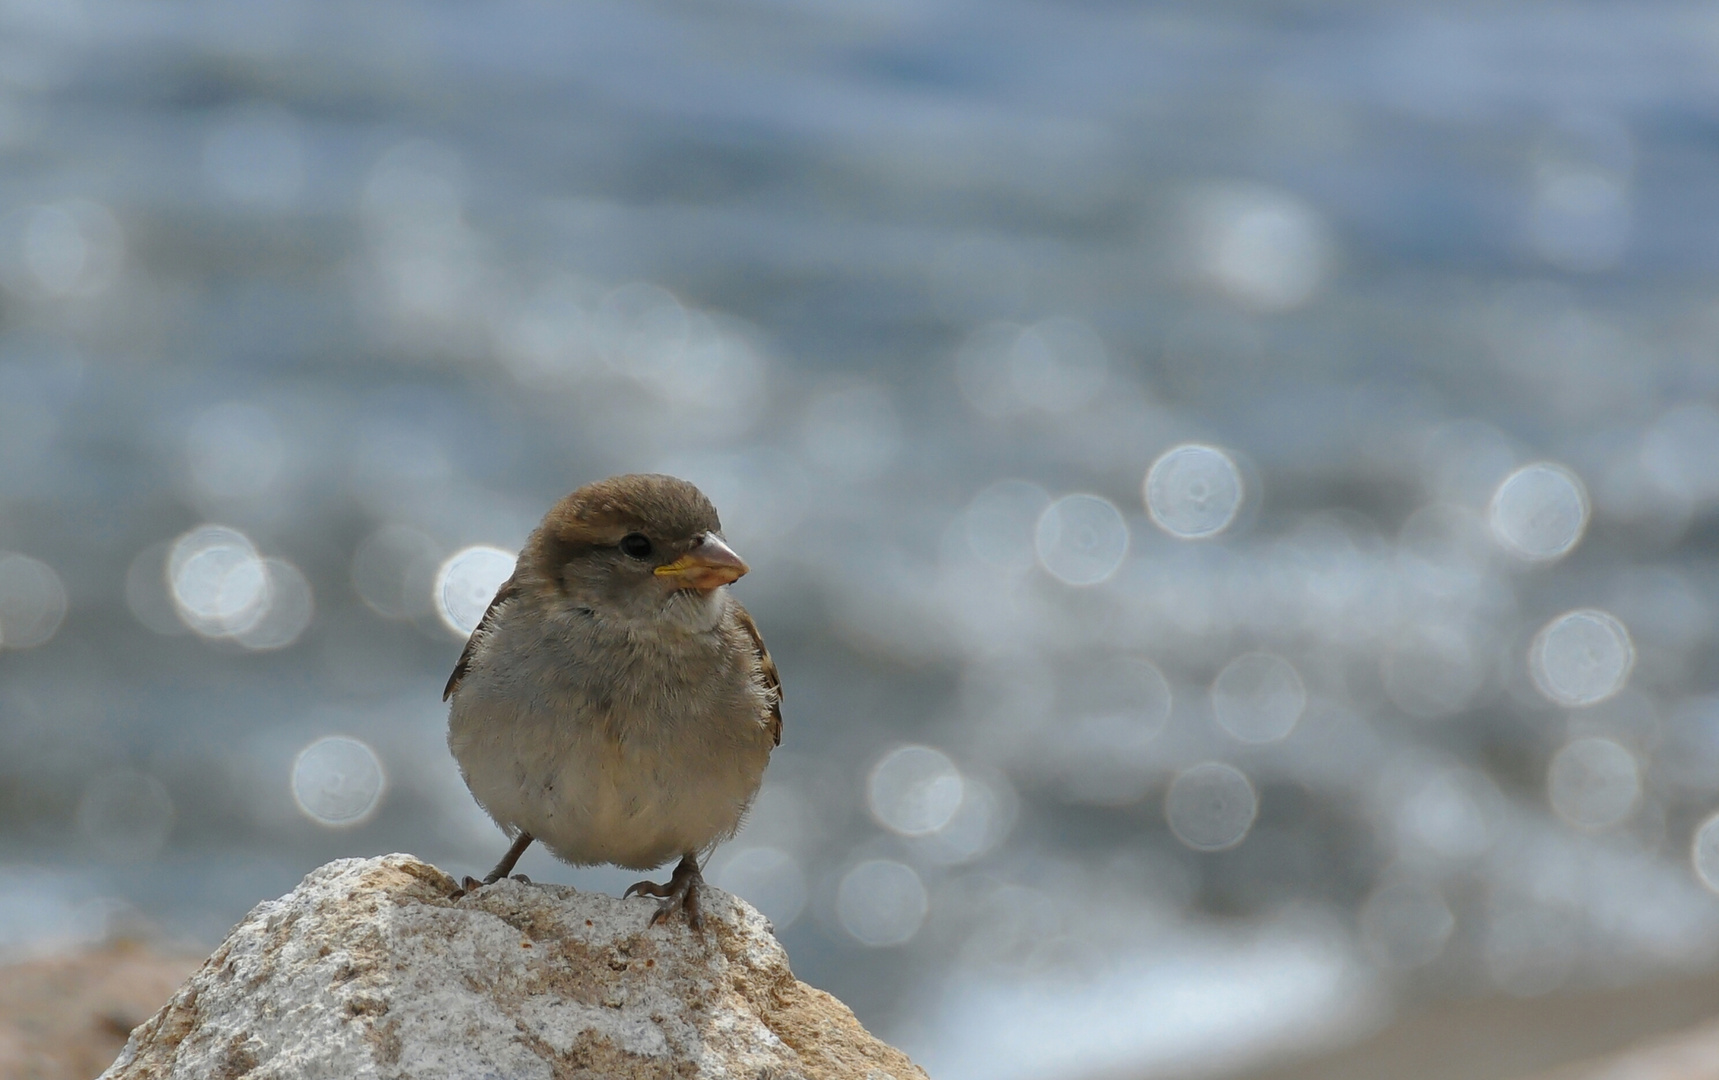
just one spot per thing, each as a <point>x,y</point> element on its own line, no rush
<point>709,565</point>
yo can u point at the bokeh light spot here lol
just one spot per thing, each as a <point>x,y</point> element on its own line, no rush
<point>881,902</point>
<point>1704,853</point>
<point>1258,697</point>
<point>1193,491</point>
<point>1264,248</point>
<point>466,584</point>
<point>219,583</point>
<point>914,790</point>
<point>1081,539</point>
<point>69,249</point>
<point>1450,814</point>
<point>291,607</point>
<point>32,601</point>
<point>1581,658</point>
<point>1594,783</point>
<point>337,781</point>
<point>1539,512</point>
<point>982,821</point>
<point>1211,806</point>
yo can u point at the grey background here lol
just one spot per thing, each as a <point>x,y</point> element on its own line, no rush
<point>310,270</point>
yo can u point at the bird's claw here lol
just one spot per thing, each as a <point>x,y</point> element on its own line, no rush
<point>680,893</point>
<point>468,885</point>
<point>687,903</point>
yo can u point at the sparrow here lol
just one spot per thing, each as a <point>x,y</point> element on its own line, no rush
<point>616,704</point>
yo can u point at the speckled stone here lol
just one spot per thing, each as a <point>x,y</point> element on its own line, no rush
<point>371,969</point>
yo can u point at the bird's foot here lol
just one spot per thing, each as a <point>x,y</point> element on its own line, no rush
<point>472,884</point>
<point>468,885</point>
<point>680,894</point>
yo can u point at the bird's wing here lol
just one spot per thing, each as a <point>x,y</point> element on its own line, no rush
<point>772,679</point>
<point>509,589</point>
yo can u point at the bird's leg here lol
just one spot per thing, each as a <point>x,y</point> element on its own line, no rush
<point>522,842</point>
<point>681,893</point>
<point>471,884</point>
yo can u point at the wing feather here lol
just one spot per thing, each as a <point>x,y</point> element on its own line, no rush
<point>772,679</point>
<point>509,589</point>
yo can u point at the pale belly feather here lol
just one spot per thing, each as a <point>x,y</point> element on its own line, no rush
<point>635,772</point>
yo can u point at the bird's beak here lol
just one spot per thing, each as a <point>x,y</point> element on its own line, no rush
<point>710,563</point>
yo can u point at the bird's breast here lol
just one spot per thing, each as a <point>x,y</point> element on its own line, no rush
<point>627,750</point>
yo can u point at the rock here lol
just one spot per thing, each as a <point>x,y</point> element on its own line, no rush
<point>1687,1055</point>
<point>370,969</point>
<point>64,1017</point>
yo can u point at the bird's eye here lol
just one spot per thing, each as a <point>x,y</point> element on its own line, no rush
<point>636,546</point>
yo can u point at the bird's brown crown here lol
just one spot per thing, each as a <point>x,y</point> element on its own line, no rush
<point>598,514</point>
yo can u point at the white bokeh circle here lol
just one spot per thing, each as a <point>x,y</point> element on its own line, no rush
<point>1193,491</point>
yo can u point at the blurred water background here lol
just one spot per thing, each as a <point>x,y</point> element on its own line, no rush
<point>1232,488</point>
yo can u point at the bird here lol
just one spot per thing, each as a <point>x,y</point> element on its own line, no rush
<point>616,703</point>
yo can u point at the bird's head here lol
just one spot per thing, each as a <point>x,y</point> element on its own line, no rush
<point>636,548</point>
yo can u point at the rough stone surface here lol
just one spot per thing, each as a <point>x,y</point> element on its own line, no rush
<point>1688,1055</point>
<point>370,969</point>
